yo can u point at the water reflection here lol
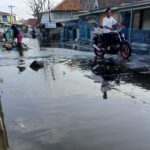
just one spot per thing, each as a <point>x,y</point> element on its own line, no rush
<point>21,69</point>
<point>21,65</point>
<point>66,110</point>
<point>20,51</point>
<point>140,78</point>
<point>111,74</point>
<point>3,133</point>
<point>117,72</point>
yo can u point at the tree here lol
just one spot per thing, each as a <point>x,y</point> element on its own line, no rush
<point>38,7</point>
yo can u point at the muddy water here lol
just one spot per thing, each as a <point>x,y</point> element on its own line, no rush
<point>75,102</point>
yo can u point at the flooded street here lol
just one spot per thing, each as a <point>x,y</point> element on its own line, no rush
<point>75,102</point>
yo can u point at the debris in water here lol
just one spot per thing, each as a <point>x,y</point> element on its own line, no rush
<point>36,65</point>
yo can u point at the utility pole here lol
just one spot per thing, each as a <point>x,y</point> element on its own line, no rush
<point>11,10</point>
<point>49,9</point>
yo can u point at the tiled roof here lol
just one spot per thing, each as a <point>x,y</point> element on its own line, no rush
<point>32,22</point>
<point>68,5</point>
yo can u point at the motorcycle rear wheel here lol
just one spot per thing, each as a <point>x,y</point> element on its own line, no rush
<point>125,50</point>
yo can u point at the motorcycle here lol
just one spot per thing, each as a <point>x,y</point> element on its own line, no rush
<point>33,33</point>
<point>116,44</point>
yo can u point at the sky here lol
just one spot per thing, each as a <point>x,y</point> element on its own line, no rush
<point>21,9</point>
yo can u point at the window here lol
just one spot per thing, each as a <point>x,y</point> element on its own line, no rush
<point>125,18</point>
<point>146,19</point>
<point>14,18</point>
<point>141,19</point>
<point>4,18</point>
<point>137,20</point>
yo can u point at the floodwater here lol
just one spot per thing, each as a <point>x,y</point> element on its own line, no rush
<point>76,102</point>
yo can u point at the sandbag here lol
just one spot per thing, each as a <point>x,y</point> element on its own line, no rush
<point>8,46</point>
<point>24,47</point>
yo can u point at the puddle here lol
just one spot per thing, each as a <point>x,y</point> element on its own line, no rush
<point>76,102</point>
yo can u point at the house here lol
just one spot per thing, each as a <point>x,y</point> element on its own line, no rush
<point>5,20</point>
<point>7,17</point>
<point>135,15</point>
<point>61,20</point>
<point>32,22</point>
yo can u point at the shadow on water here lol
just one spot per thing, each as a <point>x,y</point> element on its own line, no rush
<point>110,73</point>
<point>3,133</point>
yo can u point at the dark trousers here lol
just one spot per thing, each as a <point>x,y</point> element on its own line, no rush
<point>109,38</point>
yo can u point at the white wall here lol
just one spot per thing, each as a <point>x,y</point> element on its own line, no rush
<point>57,16</point>
<point>45,18</point>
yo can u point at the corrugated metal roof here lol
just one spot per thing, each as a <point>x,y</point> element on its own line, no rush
<point>4,13</point>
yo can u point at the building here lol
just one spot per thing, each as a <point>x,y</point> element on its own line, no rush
<point>61,21</point>
<point>32,22</point>
<point>7,17</point>
<point>135,15</point>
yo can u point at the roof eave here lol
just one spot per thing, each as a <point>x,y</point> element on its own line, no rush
<point>127,7</point>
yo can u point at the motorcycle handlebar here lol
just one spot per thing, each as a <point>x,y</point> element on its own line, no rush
<point>113,29</point>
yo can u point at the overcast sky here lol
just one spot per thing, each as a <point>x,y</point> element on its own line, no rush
<point>21,8</point>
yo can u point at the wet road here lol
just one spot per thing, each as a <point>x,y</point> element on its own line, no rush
<point>75,102</point>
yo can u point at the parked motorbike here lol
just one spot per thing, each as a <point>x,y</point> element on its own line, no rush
<point>116,44</point>
<point>33,33</point>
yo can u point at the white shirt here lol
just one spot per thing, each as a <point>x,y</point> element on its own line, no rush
<point>109,22</point>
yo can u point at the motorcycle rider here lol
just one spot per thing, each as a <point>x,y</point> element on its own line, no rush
<point>108,23</point>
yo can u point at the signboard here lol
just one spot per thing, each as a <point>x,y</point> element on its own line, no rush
<point>50,25</point>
